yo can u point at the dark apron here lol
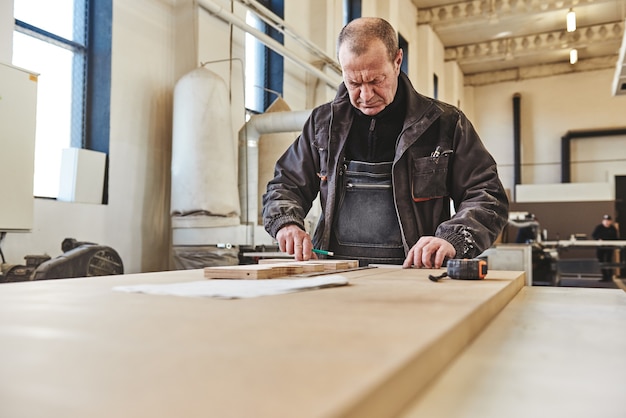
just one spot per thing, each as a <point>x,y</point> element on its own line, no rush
<point>366,224</point>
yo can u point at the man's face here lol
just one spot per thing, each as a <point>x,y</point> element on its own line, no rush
<point>371,79</point>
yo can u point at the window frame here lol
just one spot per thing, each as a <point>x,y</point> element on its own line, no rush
<point>95,94</point>
<point>270,68</point>
<point>351,10</point>
<point>274,62</point>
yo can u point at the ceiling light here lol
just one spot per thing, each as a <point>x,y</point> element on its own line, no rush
<point>571,21</point>
<point>504,34</point>
<point>573,56</point>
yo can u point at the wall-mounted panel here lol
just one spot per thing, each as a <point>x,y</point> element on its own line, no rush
<point>18,110</point>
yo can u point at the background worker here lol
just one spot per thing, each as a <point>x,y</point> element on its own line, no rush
<point>605,231</point>
<point>386,162</point>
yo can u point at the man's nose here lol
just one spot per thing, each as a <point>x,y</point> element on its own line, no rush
<point>367,92</point>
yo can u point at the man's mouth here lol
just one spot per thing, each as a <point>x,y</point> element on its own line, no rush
<point>369,105</point>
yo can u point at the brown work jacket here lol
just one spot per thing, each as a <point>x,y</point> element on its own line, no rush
<point>439,158</point>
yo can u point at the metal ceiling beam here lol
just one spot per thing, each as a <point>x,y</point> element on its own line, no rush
<point>520,46</point>
<point>537,71</point>
<point>476,10</point>
<point>523,53</point>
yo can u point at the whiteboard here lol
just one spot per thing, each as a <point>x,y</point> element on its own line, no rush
<point>18,110</point>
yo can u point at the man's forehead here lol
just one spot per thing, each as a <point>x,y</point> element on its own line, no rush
<point>360,48</point>
<point>366,67</point>
<point>362,76</point>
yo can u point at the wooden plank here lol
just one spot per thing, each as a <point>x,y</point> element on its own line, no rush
<point>253,271</point>
<point>262,271</point>
<point>328,264</point>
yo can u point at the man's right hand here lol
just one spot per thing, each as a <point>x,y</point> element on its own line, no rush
<point>294,241</point>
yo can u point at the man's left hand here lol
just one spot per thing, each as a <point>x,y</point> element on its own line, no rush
<point>429,252</point>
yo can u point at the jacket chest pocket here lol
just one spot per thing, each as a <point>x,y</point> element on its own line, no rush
<point>429,177</point>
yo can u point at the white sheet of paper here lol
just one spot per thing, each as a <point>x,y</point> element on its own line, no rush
<point>235,289</point>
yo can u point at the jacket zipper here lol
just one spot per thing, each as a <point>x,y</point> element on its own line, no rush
<point>370,175</point>
<point>370,139</point>
<point>367,186</point>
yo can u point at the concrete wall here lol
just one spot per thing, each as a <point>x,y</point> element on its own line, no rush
<point>550,107</point>
<point>6,30</point>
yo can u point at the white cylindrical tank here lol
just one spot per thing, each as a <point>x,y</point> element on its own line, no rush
<point>204,160</point>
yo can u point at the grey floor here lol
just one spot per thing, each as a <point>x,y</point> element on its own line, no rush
<point>587,273</point>
<point>594,282</point>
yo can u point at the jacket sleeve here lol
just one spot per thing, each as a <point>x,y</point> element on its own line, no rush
<point>481,203</point>
<point>295,185</point>
<point>596,232</point>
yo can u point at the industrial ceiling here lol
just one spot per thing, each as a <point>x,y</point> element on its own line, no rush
<point>500,40</point>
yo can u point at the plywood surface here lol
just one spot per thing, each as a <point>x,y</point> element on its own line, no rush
<point>552,352</point>
<point>74,348</point>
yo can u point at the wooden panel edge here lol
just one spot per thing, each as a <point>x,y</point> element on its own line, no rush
<point>396,393</point>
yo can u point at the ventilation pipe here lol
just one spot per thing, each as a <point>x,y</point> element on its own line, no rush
<point>249,135</point>
<point>517,165</point>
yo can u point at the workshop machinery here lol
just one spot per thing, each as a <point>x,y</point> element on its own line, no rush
<point>79,259</point>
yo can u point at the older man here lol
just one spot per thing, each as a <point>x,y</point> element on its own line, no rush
<point>386,162</point>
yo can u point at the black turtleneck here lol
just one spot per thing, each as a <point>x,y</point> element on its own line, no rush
<point>373,138</point>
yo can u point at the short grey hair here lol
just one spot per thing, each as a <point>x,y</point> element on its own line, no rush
<point>359,33</point>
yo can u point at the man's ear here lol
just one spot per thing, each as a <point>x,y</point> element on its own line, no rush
<point>398,60</point>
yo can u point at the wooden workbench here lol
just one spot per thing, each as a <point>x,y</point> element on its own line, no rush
<point>76,348</point>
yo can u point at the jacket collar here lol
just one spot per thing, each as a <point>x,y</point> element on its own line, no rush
<point>421,112</point>
<point>417,105</point>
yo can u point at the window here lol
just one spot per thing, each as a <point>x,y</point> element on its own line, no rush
<point>351,10</point>
<point>264,67</point>
<point>68,42</point>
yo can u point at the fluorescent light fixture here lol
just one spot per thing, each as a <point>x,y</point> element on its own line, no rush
<point>573,56</point>
<point>571,21</point>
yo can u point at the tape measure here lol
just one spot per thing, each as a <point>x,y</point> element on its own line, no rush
<point>463,269</point>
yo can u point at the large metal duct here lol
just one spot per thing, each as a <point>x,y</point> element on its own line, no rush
<point>249,135</point>
<point>203,152</point>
